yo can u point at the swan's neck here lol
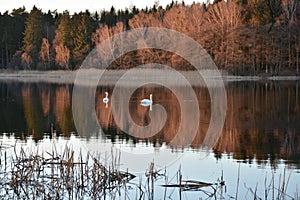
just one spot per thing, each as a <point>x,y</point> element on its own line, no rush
<point>150,97</point>
<point>106,95</point>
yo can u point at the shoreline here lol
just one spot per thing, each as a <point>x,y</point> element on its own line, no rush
<point>89,76</point>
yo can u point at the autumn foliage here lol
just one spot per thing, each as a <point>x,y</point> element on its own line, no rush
<point>244,37</point>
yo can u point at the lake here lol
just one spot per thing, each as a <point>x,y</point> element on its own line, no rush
<point>258,143</point>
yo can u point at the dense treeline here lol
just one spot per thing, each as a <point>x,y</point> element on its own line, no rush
<point>242,36</point>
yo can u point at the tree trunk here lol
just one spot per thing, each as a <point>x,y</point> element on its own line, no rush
<point>289,46</point>
<point>2,58</point>
<point>297,63</point>
<point>7,56</point>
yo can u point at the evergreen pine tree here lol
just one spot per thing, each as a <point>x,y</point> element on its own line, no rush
<point>33,34</point>
<point>65,29</point>
<point>82,35</point>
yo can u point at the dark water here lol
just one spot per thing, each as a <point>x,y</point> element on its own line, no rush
<point>261,130</point>
<point>262,119</point>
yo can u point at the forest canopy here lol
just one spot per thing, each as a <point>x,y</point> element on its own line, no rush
<point>245,37</point>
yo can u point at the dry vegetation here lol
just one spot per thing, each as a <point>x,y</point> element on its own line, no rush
<point>49,175</point>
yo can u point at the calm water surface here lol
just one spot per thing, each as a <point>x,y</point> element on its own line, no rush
<point>261,134</point>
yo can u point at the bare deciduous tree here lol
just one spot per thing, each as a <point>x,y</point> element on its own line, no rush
<point>62,56</point>
<point>222,19</point>
<point>26,60</point>
<point>45,52</point>
<point>289,7</point>
<point>105,32</point>
<point>142,19</point>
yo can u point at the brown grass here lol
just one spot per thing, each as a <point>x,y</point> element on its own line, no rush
<point>50,175</point>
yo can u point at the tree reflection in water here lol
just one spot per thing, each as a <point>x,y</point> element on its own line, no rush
<point>262,119</point>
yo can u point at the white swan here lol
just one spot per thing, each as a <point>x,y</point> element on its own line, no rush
<point>147,102</point>
<point>106,99</point>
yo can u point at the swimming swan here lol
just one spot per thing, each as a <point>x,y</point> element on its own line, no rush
<point>147,102</point>
<point>106,99</point>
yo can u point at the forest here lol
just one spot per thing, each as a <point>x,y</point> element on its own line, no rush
<point>244,37</point>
